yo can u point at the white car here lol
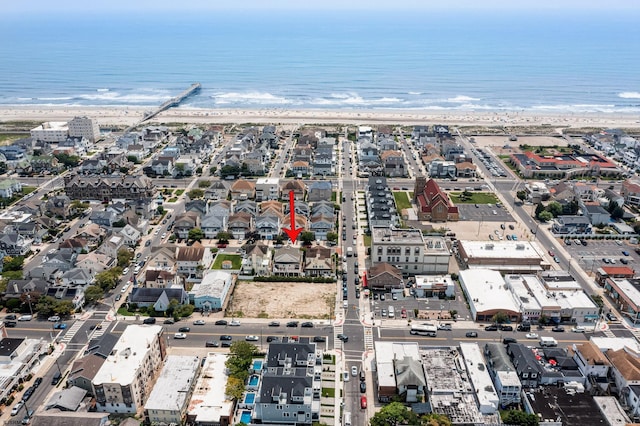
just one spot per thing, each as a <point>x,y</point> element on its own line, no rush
<point>354,371</point>
<point>54,318</point>
<point>180,336</point>
<point>199,322</point>
<point>252,338</point>
<point>532,335</point>
<point>578,329</point>
<point>164,235</point>
<point>124,288</point>
<point>235,323</point>
<point>125,270</point>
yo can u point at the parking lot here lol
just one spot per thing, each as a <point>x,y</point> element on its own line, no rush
<point>484,212</point>
<point>593,255</point>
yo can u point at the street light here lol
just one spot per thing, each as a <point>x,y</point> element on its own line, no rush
<point>30,307</point>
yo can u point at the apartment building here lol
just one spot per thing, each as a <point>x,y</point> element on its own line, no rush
<point>84,127</point>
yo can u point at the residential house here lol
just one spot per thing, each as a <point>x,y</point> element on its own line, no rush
<point>503,374</point>
<point>526,365</point>
<point>381,208</point>
<point>592,363</point>
<point>219,190</point>
<point>303,153</point>
<point>243,190</point>
<point>144,207</point>
<point>319,262</point>
<point>630,191</point>
<point>162,258</point>
<point>14,244</point>
<point>192,261</point>
<point>384,277</point>
<point>324,162</point>
<point>155,278</point>
<point>93,234</point>
<point>9,188</point>
<point>59,205</point>
<point>301,209</point>
<point>257,260</point>
<point>138,151</point>
<point>597,214</point>
<point>393,164</point>
<point>197,206</point>
<point>323,208</point>
<point>254,163</point>
<point>287,262</point>
<point>32,286</point>
<point>297,186</point>
<point>78,277</point>
<point>110,187</point>
<point>45,163</point>
<point>104,218</point>
<point>569,224</point>
<point>269,225</point>
<point>301,168</point>
<point>213,224</point>
<point>466,169</point>
<point>212,293</point>
<point>267,189</point>
<point>95,262</point>
<point>443,169</point>
<point>111,245</point>
<point>75,244</point>
<point>320,190</point>
<point>92,166</point>
<point>247,206</point>
<point>240,225</point>
<point>131,236</point>
<point>433,203</point>
<point>70,291</point>
<point>184,223</point>
<point>158,297</point>
<point>321,225</point>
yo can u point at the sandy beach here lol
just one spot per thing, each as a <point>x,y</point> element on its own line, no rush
<point>130,115</point>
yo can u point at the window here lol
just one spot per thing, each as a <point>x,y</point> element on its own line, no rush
<point>525,375</point>
<point>417,250</point>
<point>406,259</point>
<point>407,251</point>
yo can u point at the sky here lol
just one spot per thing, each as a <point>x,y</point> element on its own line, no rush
<point>104,6</point>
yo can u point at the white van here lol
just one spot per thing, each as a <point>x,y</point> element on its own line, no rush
<point>345,304</point>
<point>346,419</point>
<point>391,312</point>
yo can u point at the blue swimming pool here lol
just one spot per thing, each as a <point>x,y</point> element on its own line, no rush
<point>253,380</point>
<point>245,417</point>
<point>257,364</point>
<point>249,398</point>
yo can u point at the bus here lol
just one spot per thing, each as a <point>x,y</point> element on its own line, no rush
<point>424,329</point>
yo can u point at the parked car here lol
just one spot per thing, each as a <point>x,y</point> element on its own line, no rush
<point>60,326</point>
<point>25,318</point>
<point>168,321</point>
<point>558,329</point>
<point>225,344</point>
<point>532,336</point>
<point>274,324</point>
<point>363,387</point>
<point>508,340</point>
<point>363,402</point>
<point>491,328</point>
<point>199,322</point>
<point>118,297</point>
<point>16,408</point>
<point>180,336</point>
<point>471,334</point>
<point>578,329</point>
<point>226,337</point>
<point>292,324</point>
<point>234,323</point>
<point>150,320</point>
<point>319,339</point>
<point>211,344</point>
<point>53,318</point>
<point>307,324</point>
<point>221,322</point>
<point>505,327</point>
<point>272,339</point>
<point>252,338</point>
<point>354,371</point>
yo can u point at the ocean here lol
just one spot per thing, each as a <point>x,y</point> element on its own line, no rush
<point>567,61</point>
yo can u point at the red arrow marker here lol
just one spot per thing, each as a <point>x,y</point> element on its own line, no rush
<point>292,232</point>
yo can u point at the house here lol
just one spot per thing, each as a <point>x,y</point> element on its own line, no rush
<point>212,224</point>
<point>267,189</point>
<point>16,288</point>
<point>384,277</point>
<point>526,365</point>
<point>143,207</point>
<point>95,262</point>
<point>290,389</point>
<point>9,188</point>
<point>112,245</point>
<point>211,294</point>
<point>156,278</point>
<point>592,363</point>
<point>69,292</point>
<point>571,224</point>
<point>75,244</point>
<point>432,203</point>
<point>257,260</point>
<point>184,223</point>
<point>197,206</point>
<point>393,164</point>
<point>321,225</point>
<point>269,225</point>
<point>320,190</point>
<point>243,190</point>
<point>443,169</point>
<point>59,205</point>
<point>131,235</point>
<point>104,218</point>
<point>503,374</point>
<point>630,191</point>
<point>302,209</point>
<point>625,371</point>
<point>466,169</point>
<point>101,188</point>
<point>14,244</point>
<point>319,262</point>
<point>240,225</point>
<point>287,261</point>
<point>159,298</point>
<point>597,214</point>
<point>399,371</point>
<point>297,186</point>
<point>191,261</point>
<point>93,234</point>
<point>162,258</point>
<point>246,206</point>
<point>320,208</point>
<point>219,190</point>
<point>78,277</point>
<point>301,168</point>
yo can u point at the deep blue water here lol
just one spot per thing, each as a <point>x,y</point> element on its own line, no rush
<point>561,62</point>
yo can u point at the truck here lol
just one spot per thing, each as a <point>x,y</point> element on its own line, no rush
<point>349,251</point>
<point>548,342</point>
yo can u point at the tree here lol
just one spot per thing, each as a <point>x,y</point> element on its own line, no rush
<point>3,167</point>
<point>124,257</point>
<point>119,224</point>
<point>64,308</point>
<point>46,306</point>
<point>555,208</point>
<point>108,279</point>
<point>183,311</point>
<point>332,236</point>
<point>195,193</point>
<point>180,169</point>
<point>160,210</point>
<point>12,275</point>
<point>234,388</point>
<point>196,234</point>
<point>499,318</point>
<point>545,216</point>
<point>539,209</point>
<point>520,418</point>
<point>133,159</point>
<point>393,414</point>
<point>67,160</point>
<point>224,237</point>
<point>241,354</point>
<point>466,194</point>
<point>307,237</point>
<point>93,293</point>
<point>435,420</point>
<point>618,212</point>
<point>12,263</point>
<point>522,195</point>
<point>202,184</point>
<point>212,170</point>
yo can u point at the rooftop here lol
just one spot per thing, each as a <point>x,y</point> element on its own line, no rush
<point>173,386</point>
<point>212,284</point>
<point>386,353</point>
<point>564,404</point>
<point>630,289</point>
<point>502,249</point>
<point>383,234</point>
<point>479,375</point>
<point>487,290</point>
<point>208,404</point>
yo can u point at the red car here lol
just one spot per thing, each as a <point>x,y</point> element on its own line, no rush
<point>363,402</point>
<point>551,253</point>
<point>403,313</point>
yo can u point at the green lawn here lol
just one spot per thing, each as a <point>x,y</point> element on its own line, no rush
<point>28,189</point>
<point>367,240</point>
<point>172,200</point>
<point>334,196</point>
<point>402,200</point>
<point>476,198</point>
<point>235,259</point>
<point>329,392</point>
<point>179,192</point>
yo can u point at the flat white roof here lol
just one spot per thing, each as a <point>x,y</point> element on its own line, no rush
<point>509,378</point>
<point>429,281</point>
<point>544,297</point>
<point>127,354</point>
<point>212,284</point>
<point>386,353</point>
<point>485,392</point>
<point>520,291</point>
<point>52,125</point>
<point>616,343</point>
<point>575,300</point>
<point>268,181</point>
<point>174,383</point>
<point>208,401</point>
<point>486,290</point>
<point>612,410</point>
<point>502,249</point>
<point>629,290</point>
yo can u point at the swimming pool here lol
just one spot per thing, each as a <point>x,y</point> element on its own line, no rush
<point>253,380</point>
<point>257,364</point>
<point>245,417</point>
<point>249,398</point>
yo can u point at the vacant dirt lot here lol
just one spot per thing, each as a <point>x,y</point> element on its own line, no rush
<point>282,300</point>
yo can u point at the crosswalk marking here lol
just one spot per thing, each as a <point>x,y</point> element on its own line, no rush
<point>71,331</point>
<point>368,338</point>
